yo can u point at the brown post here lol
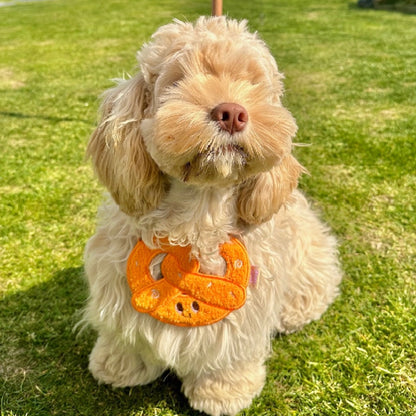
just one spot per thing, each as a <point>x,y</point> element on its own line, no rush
<point>216,7</point>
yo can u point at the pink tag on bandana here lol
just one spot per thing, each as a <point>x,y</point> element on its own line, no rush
<point>254,275</point>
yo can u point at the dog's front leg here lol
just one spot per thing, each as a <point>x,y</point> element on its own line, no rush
<point>120,365</point>
<point>226,391</point>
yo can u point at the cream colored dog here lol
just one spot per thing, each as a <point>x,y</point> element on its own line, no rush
<point>196,148</point>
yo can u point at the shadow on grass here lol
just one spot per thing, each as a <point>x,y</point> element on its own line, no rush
<point>399,7</point>
<point>43,365</point>
<point>41,117</point>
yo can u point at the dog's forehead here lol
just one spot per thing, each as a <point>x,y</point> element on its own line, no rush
<point>211,45</point>
<point>222,57</point>
<point>208,36</point>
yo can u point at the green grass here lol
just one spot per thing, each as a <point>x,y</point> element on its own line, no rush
<point>351,84</point>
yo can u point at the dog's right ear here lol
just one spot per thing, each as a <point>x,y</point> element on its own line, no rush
<point>118,153</point>
<point>261,196</point>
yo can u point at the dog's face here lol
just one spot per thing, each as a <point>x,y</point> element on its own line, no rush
<point>216,116</point>
<point>204,109</point>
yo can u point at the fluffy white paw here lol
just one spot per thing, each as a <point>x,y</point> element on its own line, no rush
<point>225,392</point>
<point>119,365</point>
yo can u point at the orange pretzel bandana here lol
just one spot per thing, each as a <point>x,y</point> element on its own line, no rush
<point>183,296</point>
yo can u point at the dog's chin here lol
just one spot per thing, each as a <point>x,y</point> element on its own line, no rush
<point>222,166</point>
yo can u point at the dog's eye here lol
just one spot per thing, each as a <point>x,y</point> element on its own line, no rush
<point>175,83</point>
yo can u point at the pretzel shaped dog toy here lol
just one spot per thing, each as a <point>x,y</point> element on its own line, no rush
<point>183,296</point>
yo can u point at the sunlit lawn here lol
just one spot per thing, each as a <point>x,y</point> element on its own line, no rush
<point>350,83</point>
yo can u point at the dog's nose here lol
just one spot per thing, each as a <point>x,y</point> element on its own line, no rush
<point>230,117</point>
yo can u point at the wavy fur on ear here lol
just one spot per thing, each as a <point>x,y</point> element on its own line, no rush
<point>117,150</point>
<point>262,195</point>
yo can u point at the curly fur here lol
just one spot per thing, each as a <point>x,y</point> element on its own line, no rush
<point>172,172</point>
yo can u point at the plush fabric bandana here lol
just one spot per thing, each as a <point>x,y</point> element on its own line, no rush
<point>183,296</point>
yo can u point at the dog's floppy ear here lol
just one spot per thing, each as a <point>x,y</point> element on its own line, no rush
<point>118,153</point>
<point>262,195</point>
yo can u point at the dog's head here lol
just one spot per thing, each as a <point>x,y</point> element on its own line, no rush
<point>204,109</point>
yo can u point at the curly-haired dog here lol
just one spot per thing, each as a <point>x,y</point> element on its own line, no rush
<point>205,249</point>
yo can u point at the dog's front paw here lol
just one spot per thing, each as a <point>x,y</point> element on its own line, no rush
<point>225,392</point>
<point>120,366</point>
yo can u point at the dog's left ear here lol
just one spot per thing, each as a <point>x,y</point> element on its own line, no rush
<point>262,195</point>
<point>118,153</point>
